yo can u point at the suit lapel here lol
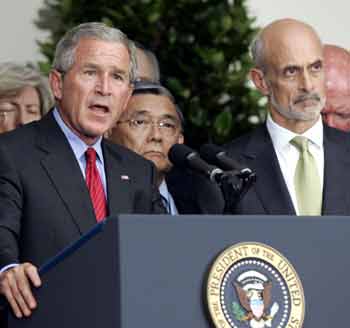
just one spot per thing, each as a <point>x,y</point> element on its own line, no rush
<point>336,173</point>
<point>270,187</point>
<point>64,172</point>
<point>118,181</point>
<point>178,186</point>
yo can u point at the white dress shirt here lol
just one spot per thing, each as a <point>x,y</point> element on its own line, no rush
<point>79,148</point>
<point>170,203</point>
<point>288,155</point>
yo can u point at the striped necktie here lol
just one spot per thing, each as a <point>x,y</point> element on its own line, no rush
<point>94,184</point>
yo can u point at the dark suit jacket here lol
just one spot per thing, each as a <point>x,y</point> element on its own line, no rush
<point>270,194</point>
<point>193,193</point>
<point>44,201</point>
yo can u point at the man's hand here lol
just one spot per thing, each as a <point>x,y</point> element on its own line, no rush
<point>15,285</point>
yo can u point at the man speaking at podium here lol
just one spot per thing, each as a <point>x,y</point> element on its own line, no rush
<point>302,166</point>
<point>58,176</point>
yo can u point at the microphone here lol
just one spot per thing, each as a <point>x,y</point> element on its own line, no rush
<point>185,157</point>
<point>218,156</point>
<point>232,190</point>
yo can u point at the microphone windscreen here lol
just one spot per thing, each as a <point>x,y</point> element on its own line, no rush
<point>178,155</point>
<point>209,152</point>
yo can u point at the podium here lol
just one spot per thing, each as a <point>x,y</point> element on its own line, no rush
<point>152,271</point>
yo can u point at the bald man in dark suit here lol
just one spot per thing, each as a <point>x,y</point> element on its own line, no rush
<point>289,70</point>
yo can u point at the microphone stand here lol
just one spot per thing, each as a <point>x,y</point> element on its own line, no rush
<point>234,185</point>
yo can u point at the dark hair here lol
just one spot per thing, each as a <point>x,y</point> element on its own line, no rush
<point>147,87</point>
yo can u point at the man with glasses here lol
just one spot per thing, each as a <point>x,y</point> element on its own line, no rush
<point>150,125</point>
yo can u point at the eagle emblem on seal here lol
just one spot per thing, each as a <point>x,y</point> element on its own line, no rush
<point>253,290</point>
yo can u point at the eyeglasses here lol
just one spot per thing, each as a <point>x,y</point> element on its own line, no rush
<point>166,126</point>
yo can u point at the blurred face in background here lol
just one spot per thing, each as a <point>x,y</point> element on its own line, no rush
<point>147,68</point>
<point>150,126</point>
<point>20,108</point>
<point>337,71</point>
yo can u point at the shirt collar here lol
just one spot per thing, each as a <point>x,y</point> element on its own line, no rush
<point>78,146</point>
<point>281,136</point>
<point>163,189</point>
<point>170,203</point>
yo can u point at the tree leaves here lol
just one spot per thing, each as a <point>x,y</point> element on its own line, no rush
<point>202,47</point>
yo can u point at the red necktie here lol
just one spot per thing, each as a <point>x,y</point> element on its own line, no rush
<point>94,184</point>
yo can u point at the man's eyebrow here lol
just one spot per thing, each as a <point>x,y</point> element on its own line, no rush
<point>170,117</point>
<point>96,66</point>
<point>33,104</point>
<point>145,112</point>
<point>317,62</point>
<point>89,65</point>
<point>287,67</point>
<point>9,102</point>
<point>141,112</point>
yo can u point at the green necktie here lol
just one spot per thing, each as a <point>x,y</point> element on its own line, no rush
<point>306,180</point>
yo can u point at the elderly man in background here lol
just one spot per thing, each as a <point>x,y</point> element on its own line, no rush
<point>301,165</point>
<point>58,176</point>
<point>25,95</point>
<point>151,124</point>
<point>147,66</point>
<point>337,71</point>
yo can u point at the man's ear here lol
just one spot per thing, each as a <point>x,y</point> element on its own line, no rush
<point>259,80</point>
<point>127,97</point>
<point>181,139</point>
<point>108,133</point>
<point>56,84</point>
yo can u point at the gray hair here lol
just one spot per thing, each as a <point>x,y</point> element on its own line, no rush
<point>257,52</point>
<point>14,77</point>
<point>65,49</point>
<point>153,61</point>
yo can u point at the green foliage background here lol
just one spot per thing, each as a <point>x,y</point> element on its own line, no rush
<point>202,47</point>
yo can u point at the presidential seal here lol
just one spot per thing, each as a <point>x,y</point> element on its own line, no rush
<point>253,285</point>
